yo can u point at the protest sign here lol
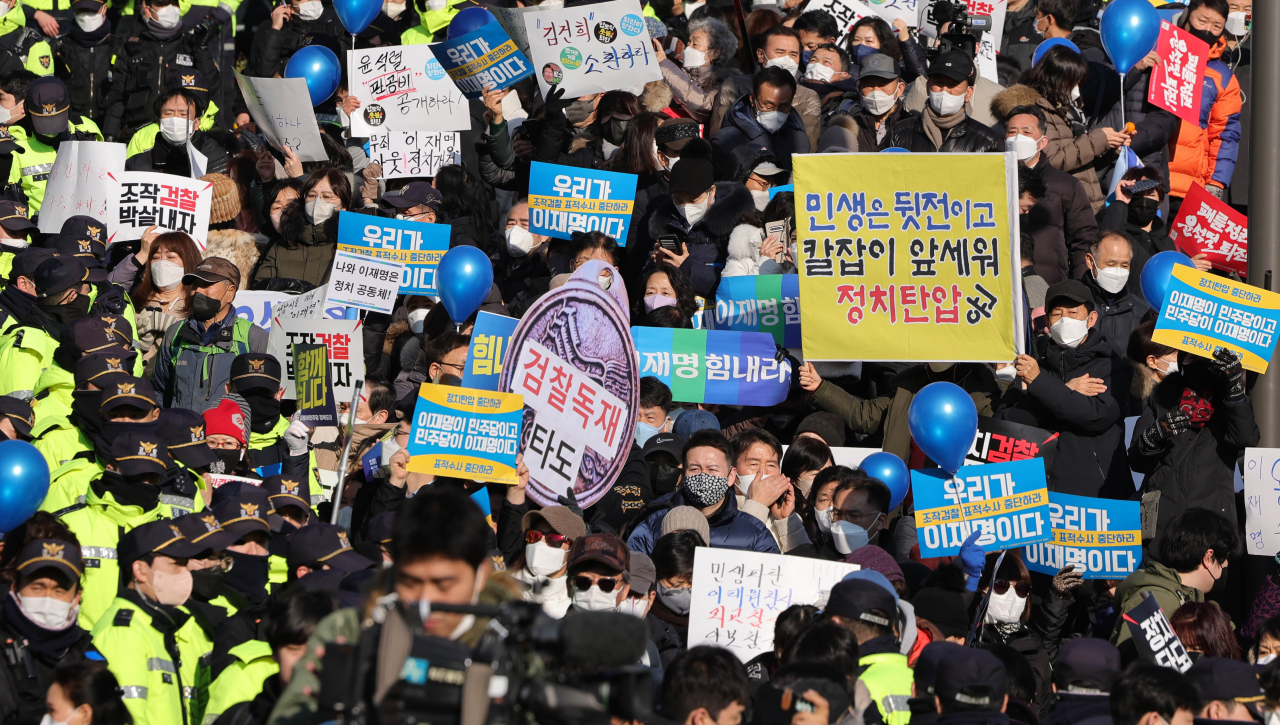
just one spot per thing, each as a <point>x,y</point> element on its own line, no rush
<point>1204,312</point>
<point>1154,636</point>
<point>1177,79</point>
<point>371,462</point>
<point>591,48</point>
<point>403,88</point>
<point>737,595</point>
<point>908,257</point>
<point>311,373</point>
<point>173,203</point>
<point>413,153</point>
<point>484,59</point>
<point>567,199</point>
<point>1207,225</point>
<point>258,307</point>
<point>999,441</point>
<point>760,303</point>
<point>198,161</point>
<point>512,21</point>
<point>365,282</point>
<point>217,479</point>
<point>1262,505</point>
<point>846,13</point>
<point>83,180</point>
<point>489,341</point>
<point>282,110</point>
<point>1100,537</point>
<point>306,306</point>
<point>1008,502</point>
<point>345,345</point>
<point>417,245</point>
<point>714,366</point>
<point>466,433</point>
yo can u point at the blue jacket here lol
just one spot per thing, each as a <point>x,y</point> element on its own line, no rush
<point>730,528</point>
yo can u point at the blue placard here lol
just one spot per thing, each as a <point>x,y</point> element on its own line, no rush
<point>488,349</point>
<point>1008,502</point>
<point>1101,537</point>
<point>418,244</point>
<point>371,462</point>
<point>1203,312</point>
<point>714,366</point>
<point>483,59</point>
<point>567,199</point>
<point>760,303</point>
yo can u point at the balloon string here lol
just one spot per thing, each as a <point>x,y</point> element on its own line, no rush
<point>1122,123</point>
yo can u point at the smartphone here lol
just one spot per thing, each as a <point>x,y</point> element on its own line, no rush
<point>670,242</point>
<point>1142,186</point>
<point>782,228</point>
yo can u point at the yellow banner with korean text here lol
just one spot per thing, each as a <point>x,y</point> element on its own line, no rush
<point>909,257</point>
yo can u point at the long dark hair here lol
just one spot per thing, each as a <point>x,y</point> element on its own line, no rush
<point>1060,70</point>
<point>889,44</point>
<point>463,197</point>
<point>90,683</point>
<point>680,284</point>
<point>270,193</point>
<point>294,220</point>
<point>627,104</point>
<point>176,242</point>
<point>1204,627</point>
<point>637,156</point>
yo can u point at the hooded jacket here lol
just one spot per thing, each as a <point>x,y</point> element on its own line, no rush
<point>730,527</point>
<point>1205,153</point>
<point>741,127</point>
<point>1161,582</point>
<point>707,241</point>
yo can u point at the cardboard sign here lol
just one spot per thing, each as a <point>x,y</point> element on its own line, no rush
<point>345,344</point>
<point>846,13</point>
<point>1262,504</point>
<point>567,199</point>
<point>1154,636</point>
<point>1207,225</point>
<point>484,59</point>
<point>1203,312</point>
<point>84,180</point>
<point>315,398</point>
<point>490,339</point>
<point>1008,502</point>
<point>591,48</point>
<point>1100,537</point>
<point>512,21</point>
<point>714,366</point>
<point>999,441</point>
<point>737,595</point>
<point>760,303</point>
<point>365,282</point>
<point>466,433</point>
<point>417,245</point>
<point>173,203</point>
<point>1177,79</point>
<point>403,88</point>
<point>282,110</point>
<point>413,153</point>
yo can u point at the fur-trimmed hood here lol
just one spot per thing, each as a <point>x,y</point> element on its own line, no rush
<point>1014,96</point>
<point>239,248</point>
<point>656,96</point>
<point>744,242</point>
<point>733,201</point>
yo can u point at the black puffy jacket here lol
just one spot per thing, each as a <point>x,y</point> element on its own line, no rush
<point>707,241</point>
<point>969,137</point>
<point>272,48</point>
<point>86,70</point>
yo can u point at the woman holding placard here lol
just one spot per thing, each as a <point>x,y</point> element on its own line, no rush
<point>153,277</point>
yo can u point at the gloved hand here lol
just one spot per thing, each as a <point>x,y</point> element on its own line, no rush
<point>1066,581</point>
<point>1171,424</point>
<point>555,105</point>
<point>1227,364</point>
<point>570,501</point>
<point>972,560</point>
<point>1218,192</point>
<point>297,436</point>
<point>111,300</point>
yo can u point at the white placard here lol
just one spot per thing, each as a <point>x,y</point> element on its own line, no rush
<point>259,307</point>
<point>591,48</point>
<point>83,181</point>
<point>840,455</point>
<point>217,479</point>
<point>199,162</point>
<point>414,153</point>
<point>989,42</point>
<point>281,108</point>
<point>365,282</point>
<point>737,595</point>
<point>512,21</point>
<point>1262,501</point>
<point>173,203</point>
<point>846,13</point>
<point>344,340</point>
<point>403,88</point>
<point>891,10</point>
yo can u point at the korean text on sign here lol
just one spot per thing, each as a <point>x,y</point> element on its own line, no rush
<point>365,282</point>
<point>914,259</point>
<point>342,338</point>
<point>591,49</point>
<point>1207,225</point>
<point>565,199</point>
<point>489,339</point>
<point>1100,537</point>
<point>315,399</point>
<point>173,203</point>
<point>466,433</point>
<point>1154,636</point>
<point>483,59</point>
<point>418,245</point>
<point>1007,502</point>
<point>760,303</point>
<point>83,181</point>
<point>1262,501</point>
<point>1203,312</point>
<point>1177,79</point>
<point>403,88</point>
<point>714,366</point>
<point>413,153</point>
<point>999,441</point>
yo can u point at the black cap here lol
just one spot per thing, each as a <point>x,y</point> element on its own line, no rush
<point>1086,666</point>
<point>382,526</point>
<point>953,64</point>
<point>664,443</point>
<point>879,65</point>
<point>1219,678</point>
<point>56,553</point>
<point>28,260</point>
<point>97,367</point>
<point>417,193</point>
<point>129,391</point>
<point>48,105</point>
<point>88,335</point>
<point>963,672</point>
<point>290,491</point>
<point>242,508</point>
<point>183,432</point>
<point>158,537</point>
<point>13,217</point>
<point>87,6</point>
<point>674,134</point>
<point>19,413</point>
<point>212,270</point>
<point>204,530</point>
<point>59,274</point>
<point>84,249</point>
<point>692,176</point>
<point>81,226</point>
<point>861,599</point>
<point>136,454</point>
<point>1070,289</point>
<point>255,370</point>
<point>926,667</point>
<point>326,544</point>
<point>944,608</point>
<point>192,80</point>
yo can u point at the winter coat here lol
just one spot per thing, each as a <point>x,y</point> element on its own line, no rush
<point>1196,468</point>
<point>979,109</point>
<point>1205,153</point>
<point>166,158</point>
<point>23,682</point>
<point>1062,225</point>
<point>310,260</point>
<point>1146,244</point>
<point>1159,581</point>
<point>730,528</point>
<point>1071,708</point>
<point>695,88</point>
<point>272,48</point>
<point>1241,58</point>
<point>741,127</point>
<point>707,241</point>
<point>1090,459</point>
<point>464,231</point>
<point>1076,155</point>
<point>968,137</point>
<point>86,71</point>
<point>865,127</point>
<point>1019,42</point>
<point>806,103</point>
<point>625,498</point>
<point>1118,314</point>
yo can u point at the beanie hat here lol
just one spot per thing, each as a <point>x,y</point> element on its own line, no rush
<point>826,426</point>
<point>943,608</point>
<point>227,419</point>
<point>873,558</point>
<point>226,198</point>
<point>687,518</point>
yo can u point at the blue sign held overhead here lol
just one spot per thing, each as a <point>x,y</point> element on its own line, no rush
<point>483,59</point>
<point>418,244</point>
<point>1100,537</point>
<point>1007,502</point>
<point>714,366</point>
<point>566,199</point>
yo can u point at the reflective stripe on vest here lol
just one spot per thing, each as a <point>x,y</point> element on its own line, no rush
<point>895,703</point>
<point>97,552</point>
<point>133,692</point>
<point>161,664</point>
<point>39,172</point>
<point>170,500</point>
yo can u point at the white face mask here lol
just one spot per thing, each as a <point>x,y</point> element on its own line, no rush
<point>1267,659</point>
<point>1007,607</point>
<point>822,517</point>
<point>167,17</point>
<point>1075,95</point>
<point>1007,374</point>
<point>1112,279</point>
<point>848,536</point>
<point>819,72</point>
<point>594,600</point>
<point>389,448</point>
<point>878,103</point>
<point>771,120</point>
<point>1238,25</point>
<point>761,199</point>
<point>1069,332</point>
<point>693,58</point>
<point>542,559</point>
<point>171,589</point>
<point>635,606</point>
<point>944,104</point>
<point>1023,147</point>
<point>393,10</point>
<point>166,275</point>
<point>605,281</point>
<point>1170,368</point>
<point>176,130</point>
<point>311,10</point>
<point>416,319</point>
<point>275,220</point>
<point>693,213</point>
<point>48,720</point>
<point>744,483</point>
<point>519,241</point>
<point>7,114</point>
<point>319,210</point>
<point>47,612</point>
<point>786,63</point>
<point>90,22</point>
<point>16,243</point>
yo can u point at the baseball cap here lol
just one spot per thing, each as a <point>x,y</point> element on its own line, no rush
<point>692,176</point>
<point>190,79</point>
<point>81,226</point>
<point>214,269</point>
<point>418,193</point>
<point>382,526</point>
<point>643,574</point>
<point>963,671</point>
<point>943,608</point>
<point>13,217</point>
<point>954,64</point>
<point>42,553</point>
<point>606,549</point>
<point>255,370</point>
<point>95,367</point>
<point>767,168</point>
<point>137,454</point>
<point>183,431</point>
<point>290,491</point>
<point>59,274</point>
<point>87,335</point>
<point>156,537</point>
<point>559,518</point>
<point>692,421</point>
<point>28,260</point>
<point>326,544</point>
<point>862,599</point>
<point>87,6</point>
<point>48,105</point>
<point>241,508</point>
<point>19,412</point>
<point>926,667</point>
<point>878,65</point>
<point>664,443</point>
<point>136,392</point>
<point>85,249</point>
<point>1069,289</point>
<point>204,530</point>
<point>1219,678</point>
<point>1085,666</point>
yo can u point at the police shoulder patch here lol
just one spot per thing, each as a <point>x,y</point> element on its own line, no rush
<point>123,618</point>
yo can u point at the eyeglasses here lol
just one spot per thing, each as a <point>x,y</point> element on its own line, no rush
<point>583,583</point>
<point>1022,589</point>
<point>533,536</point>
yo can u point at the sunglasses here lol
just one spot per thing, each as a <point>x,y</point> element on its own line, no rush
<point>583,583</point>
<point>533,536</point>
<point>1022,589</point>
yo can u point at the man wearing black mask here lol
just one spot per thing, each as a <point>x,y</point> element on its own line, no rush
<point>82,58</point>
<point>184,432</point>
<point>19,294</point>
<point>1135,212</point>
<point>16,419</point>
<point>194,361</point>
<point>48,122</point>
<point>276,446</point>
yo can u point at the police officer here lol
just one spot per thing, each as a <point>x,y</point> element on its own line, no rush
<point>47,122</point>
<point>179,111</point>
<point>184,490</point>
<point>970,687</point>
<point>322,547</point>
<point>15,232</point>
<point>292,500</point>
<point>16,419</point>
<point>18,297</point>
<point>276,446</point>
<point>192,82</point>
<point>82,58</point>
<point>869,609</point>
<point>107,297</point>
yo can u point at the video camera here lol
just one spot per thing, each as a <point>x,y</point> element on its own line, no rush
<point>964,31</point>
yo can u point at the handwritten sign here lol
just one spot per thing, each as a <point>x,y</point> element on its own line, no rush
<point>417,245</point>
<point>218,479</point>
<point>714,366</point>
<point>760,303</point>
<point>1154,636</point>
<point>1007,502</point>
<point>465,433</point>
<point>173,203</point>
<point>414,153</point>
<point>83,181</point>
<point>365,282</point>
<point>259,307</point>
<point>342,338</point>
<point>999,441</point>
<point>512,21</point>
<point>1207,225</point>
<point>282,110</point>
<point>1262,501</point>
<point>1203,312</point>
<point>1099,537</point>
<point>489,341</point>
<point>591,48</point>
<point>567,199</point>
<point>315,397</point>
<point>1177,79</point>
<point>403,88</point>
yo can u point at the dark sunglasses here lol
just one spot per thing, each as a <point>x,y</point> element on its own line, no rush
<point>1022,589</point>
<point>533,536</point>
<point>583,583</point>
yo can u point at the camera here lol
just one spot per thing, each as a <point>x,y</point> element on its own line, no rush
<point>963,32</point>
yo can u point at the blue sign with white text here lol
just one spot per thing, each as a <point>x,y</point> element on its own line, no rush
<point>1101,537</point>
<point>760,303</point>
<point>1007,502</point>
<point>489,340</point>
<point>484,59</point>
<point>567,199</point>
<point>418,245</point>
<point>714,366</point>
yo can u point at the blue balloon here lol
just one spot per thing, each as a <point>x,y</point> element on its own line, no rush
<point>463,279</point>
<point>894,150</point>
<point>356,14</point>
<point>1156,274</point>
<point>24,481</point>
<point>943,421</point>
<point>468,20</point>
<point>319,67</point>
<point>1130,29</point>
<point>1051,43</point>
<point>892,472</point>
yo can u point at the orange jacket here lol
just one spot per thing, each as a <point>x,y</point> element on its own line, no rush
<point>1205,154</point>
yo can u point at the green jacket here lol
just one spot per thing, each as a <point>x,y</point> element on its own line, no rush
<point>143,660</point>
<point>242,679</point>
<point>1162,582</point>
<point>888,678</point>
<point>34,160</point>
<point>25,352</point>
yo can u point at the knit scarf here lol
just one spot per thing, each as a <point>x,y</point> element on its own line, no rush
<point>1197,405</point>
<point>934,125</point>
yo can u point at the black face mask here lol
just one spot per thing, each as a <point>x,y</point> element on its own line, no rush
<point>206,584</point>
<point>229,463</point>
<point>128,491</point>
<point>84,411</point>
<point>265,409</point>
<point>663,477</point>
<point>1207,36</point>
<point>1143,210</point>
<point>248,576</point>
<point>615,130</point>
<point>73,310</point>
<point>204,307</point>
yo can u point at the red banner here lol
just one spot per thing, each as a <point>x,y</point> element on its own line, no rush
<point>1207,225</point>
<point>1177,80</point>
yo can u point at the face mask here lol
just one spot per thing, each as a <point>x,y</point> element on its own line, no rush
<point>85,410</point>
<point>1007,607</point>
<point>579,111</point>
<point>1238,25</point>
<point>944,104</point>
<point>1170,368</point>
<point>786,63</point>
<point>653,302</point>
<point>1112,279</point>
<point>206,584</point>
<point>744,483</point>
<point>1024,148</point>
<point>594,600</point>
<point>848,536</point>
<point>1075,95</point>
<point>1069,332</point>
<point>663,478</point>
<point>204,307</point>
<point>318,210</point>
<point>167,17</point>
<point>90,22</point>
<point>175,130</point>
<point>1266,660</point>
<point>265,410</point>
<point>228,463</point>
<point>171,589</point>
<point>1143,210</point>
<point>771,120</point>
<point>644,432</point>
<point>822,517</point>
<point>519,241</point>
<point>635,606</point>
<point>389,448</point>
<point>692,57</point>
<point>818,72</point>
<point>878,103</point>
<point>15,243</point>
<point>48,720</point>
<point>47,612</point>
<point>543,560</point>
<point>166,275</point>
<point>416,319</point>
<point>677,599</point>
<point>940,367</point>
<point>311,10</point>
<point>1007,374</point>
<point>1207,36</point>
<point>615,131</point>
<point>704,490</point>
<point>1036,27</point>
<point>605,281</point>
<point>248,575</point>
<point>862,50</point>
<point>393,10</point>
<point>275,220</point>
<point>761,198</point>
<point>693,213</point>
